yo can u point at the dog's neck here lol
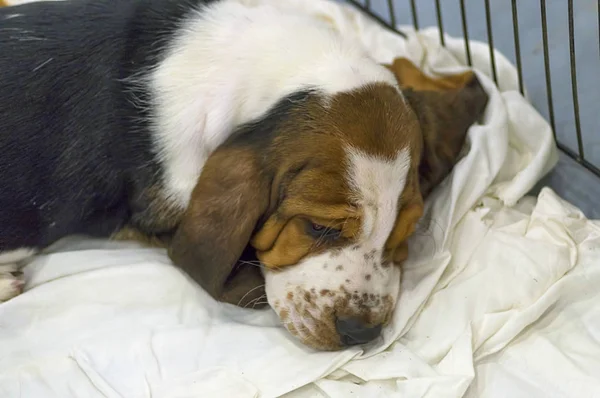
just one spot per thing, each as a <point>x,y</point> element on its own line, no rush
<point>229,65</point>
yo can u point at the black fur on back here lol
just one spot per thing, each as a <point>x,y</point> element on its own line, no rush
<point>75,146</point>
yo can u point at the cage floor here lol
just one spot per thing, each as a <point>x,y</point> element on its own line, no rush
<point>569,179</point>
<point>575,184</point>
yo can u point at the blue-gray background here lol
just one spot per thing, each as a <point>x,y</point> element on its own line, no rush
<point>569,179</point>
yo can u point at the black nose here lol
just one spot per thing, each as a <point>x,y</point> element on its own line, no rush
<point>353,331</point>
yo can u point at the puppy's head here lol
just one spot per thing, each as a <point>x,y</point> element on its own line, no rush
<point>324,191</point>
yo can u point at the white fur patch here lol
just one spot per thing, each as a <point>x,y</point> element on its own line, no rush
<point>229,65</point>
<point>11,284</point>
<point>11,281</point>
<point>358,269</point>
<point>378,184</point>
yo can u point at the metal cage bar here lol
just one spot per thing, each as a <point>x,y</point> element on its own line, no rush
<point>515,16</point>
<point>415,16</point>
<point>547,66</point>
<point>488,24</point>
<point>392,13</point>
<point>578,154</point>
<point>465,30</point>
<point>440,23</point>
<point>574,81</point>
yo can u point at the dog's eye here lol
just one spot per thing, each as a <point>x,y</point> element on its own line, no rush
<point>319,231</point>
<point>317,227</point>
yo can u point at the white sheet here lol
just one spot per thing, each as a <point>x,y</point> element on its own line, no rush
<point>501,296</point>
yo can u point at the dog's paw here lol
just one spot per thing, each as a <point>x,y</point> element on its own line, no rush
<point>11,282</point>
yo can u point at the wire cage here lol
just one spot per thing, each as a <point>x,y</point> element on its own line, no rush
<point>554,45</point>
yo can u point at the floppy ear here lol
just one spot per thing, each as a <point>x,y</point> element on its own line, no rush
<point>446,107</point>
<point>409,214</point>
<point>226,204</point>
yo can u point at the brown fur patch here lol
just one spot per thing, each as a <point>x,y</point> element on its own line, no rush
<point>218,223</point>
<point>410,212</point>
<point>409,75</point>
<point>129,233</point>
<point>446,107</point>
<point>284,315</point>
<point>319,135</point>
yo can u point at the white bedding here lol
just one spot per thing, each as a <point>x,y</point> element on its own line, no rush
<point>500,297</point>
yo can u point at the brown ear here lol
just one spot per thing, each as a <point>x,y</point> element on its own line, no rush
<point>226,204</point>
<point>409,214</point>
<point>409,75</point>
<point>446,108</point>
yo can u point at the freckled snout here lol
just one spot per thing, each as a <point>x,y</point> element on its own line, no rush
<point>355,331</point>
<point>336,300</point>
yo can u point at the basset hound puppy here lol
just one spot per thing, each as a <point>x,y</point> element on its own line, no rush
<point>273,157</point>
